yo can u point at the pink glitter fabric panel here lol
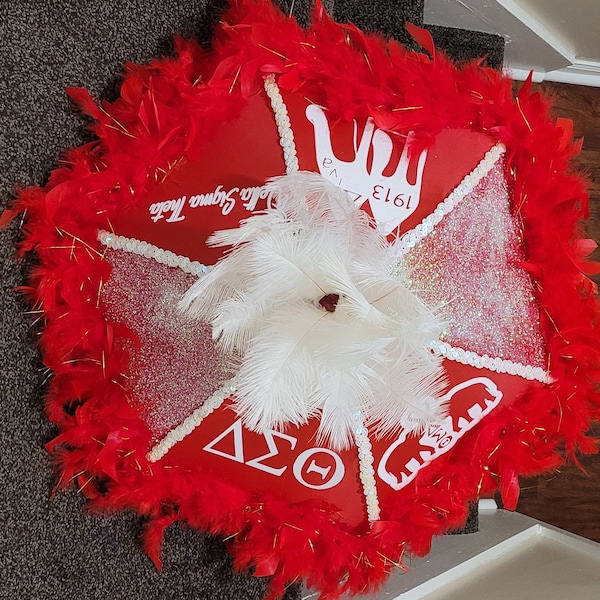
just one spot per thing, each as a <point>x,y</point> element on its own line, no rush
<point>468,267</point>
<point>176,367</point>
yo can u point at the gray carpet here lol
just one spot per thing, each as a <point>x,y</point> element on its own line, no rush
<point>51,548</point>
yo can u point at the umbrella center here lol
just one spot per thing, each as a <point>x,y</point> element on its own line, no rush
<point>329,302</point>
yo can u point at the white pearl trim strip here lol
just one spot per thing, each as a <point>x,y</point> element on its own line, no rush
<point>190,423</point>
<point>366,469</point>
<point>498,365</point>
<point>166,257</point>
<point>286,135</point>
<point>411,238</point>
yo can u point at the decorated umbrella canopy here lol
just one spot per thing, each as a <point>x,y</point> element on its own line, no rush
<point>314,293</point>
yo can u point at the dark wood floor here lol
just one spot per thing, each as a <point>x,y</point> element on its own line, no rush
<point>570,499</point>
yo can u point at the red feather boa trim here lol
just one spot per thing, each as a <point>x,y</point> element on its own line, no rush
<point>167,112</point>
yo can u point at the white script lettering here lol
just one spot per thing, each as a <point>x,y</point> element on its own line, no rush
<point>174,207</point>
<point>218,197</point>
<point>226,200</point>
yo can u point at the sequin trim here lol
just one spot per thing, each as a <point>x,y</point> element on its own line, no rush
<point>284,127</point>
<point>190,423</point>
<point>411,238</point>
<point>366,469</point>
<point>165,257</point>
<point>498,365</point>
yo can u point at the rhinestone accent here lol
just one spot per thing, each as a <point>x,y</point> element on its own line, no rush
<point>191,422</point>
<point>165,257</point>
<point>284,127</point>
<point>498,365</point>
<point>366,469</point>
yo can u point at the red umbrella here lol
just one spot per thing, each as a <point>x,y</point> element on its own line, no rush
<point>470,190</point>
<point>292,462</point>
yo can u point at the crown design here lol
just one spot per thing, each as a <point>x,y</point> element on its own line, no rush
<point>392,198</point>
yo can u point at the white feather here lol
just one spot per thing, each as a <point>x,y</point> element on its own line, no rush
<point>340,399</point>
<point>278,378</point>
<point>411,378</point>
<point>300,359</point>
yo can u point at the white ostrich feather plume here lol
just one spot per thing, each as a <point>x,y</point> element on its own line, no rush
<point>306,300</point>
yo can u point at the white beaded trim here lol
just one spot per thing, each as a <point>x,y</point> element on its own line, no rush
<point>498,365</point>
<point>366,469</point>
<point>286,135</point>
<point>411,238</point>
<point>166,257</point>
<point>190,423</point>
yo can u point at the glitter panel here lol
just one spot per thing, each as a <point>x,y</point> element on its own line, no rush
<point>176,366</point>
<point>468,267</point>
